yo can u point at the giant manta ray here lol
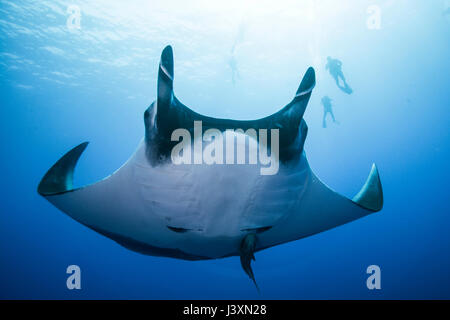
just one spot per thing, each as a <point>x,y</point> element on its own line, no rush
<point>196,212</point>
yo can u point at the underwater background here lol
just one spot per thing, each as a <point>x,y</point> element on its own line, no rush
<point>74,71</point>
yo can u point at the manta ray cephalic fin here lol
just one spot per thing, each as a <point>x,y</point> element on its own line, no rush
<point>170,114</point>
<point>165,82</point>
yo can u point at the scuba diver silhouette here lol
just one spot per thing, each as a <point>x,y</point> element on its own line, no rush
<point>334,66</point>
<point>232,62</point>
<point>326,102</point>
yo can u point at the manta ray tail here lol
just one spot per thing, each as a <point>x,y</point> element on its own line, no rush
<point>247,249</point>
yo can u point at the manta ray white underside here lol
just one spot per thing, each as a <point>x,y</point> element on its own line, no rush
<point>152,206</point>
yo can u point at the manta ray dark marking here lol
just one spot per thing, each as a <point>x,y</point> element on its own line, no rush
<point>197,212</point>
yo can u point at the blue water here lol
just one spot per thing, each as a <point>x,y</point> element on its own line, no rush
<point>61,85</point>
